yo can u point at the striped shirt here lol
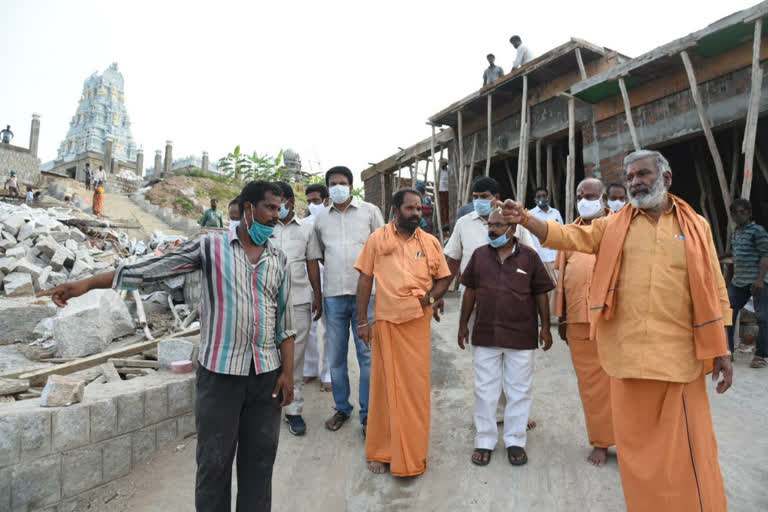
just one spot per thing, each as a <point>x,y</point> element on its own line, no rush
<point>245,311</point>
<point>749,245</point>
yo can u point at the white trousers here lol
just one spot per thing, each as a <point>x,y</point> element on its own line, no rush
<point>511,370</point>
<point>302,319</point>
<point>312,355</point>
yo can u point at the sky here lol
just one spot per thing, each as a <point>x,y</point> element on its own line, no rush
<point>341,82</point>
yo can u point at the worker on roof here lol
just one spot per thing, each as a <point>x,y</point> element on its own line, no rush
<point>492,72</point>
<point>524,55</point>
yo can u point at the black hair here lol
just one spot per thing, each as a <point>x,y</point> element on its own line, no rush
<point>515,38</point>
<point>286,189</point>
<point>616,184</point>
<point>255,192</point>
<point>744,203</point>
<point>485,184</point>
<point>490,55</point>
<point>234,201</point>
<point>319,188</point>
<point>338,170</point>
<point>399,198</point>
<point>541,189</point>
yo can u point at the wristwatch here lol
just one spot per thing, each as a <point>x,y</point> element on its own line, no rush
<point>431,299</point>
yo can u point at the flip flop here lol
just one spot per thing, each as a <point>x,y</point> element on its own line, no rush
<point>336,421</point>
<point>514,454</point>
<point>758,362</point>
<point>481,452</point>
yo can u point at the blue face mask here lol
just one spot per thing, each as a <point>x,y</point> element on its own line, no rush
<point>482,207</point>
<point>259,233</point>
<point>283,212</point>
<point>499,241</point>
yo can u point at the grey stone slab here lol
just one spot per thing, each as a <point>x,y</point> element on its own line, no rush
<point>155,404</point>
<point>180,397</point>
<point>15,252</point>
<point>36,430</point>
<point>81,470</point>
<point>177,349</point>
<point>17,284</point>
<point>117,455</point>
<point>185,425</point>
<point>71,427</point>
<point>103,419</point>
<point>166,433</point>
<point>18,323</point>
<point>5,489</point>
<point>36,483</point>
<point>130,412</point>
<point>144,444</point>
<point>10,440</point>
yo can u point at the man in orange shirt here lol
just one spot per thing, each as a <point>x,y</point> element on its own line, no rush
<point>658,310</point>
<point>571,305</point>
<point>411,273</point>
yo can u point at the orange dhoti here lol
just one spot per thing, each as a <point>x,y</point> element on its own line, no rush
<point>666,446</point>
<point>594,386</point>
<point>399,402</point>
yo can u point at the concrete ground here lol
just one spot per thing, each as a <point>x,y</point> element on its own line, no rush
<point>326,471</point>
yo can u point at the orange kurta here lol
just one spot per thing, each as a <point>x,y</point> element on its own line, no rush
<point>661,418</point>
<point>399,397</point>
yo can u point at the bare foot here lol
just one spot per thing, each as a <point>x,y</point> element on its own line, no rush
<point>598,457</point>
<point>308,379</point>
<point>325,386</point>
<point>376,467</point>
<point>531,425</point>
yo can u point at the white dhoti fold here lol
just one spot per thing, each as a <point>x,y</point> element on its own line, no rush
<point>312,367</point>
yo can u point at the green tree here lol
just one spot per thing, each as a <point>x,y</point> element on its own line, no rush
<point>266,167</point>
<point>236,165</point>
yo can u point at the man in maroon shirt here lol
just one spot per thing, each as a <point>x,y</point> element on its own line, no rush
<point>508,284</point>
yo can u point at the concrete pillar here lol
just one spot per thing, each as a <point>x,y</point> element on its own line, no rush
<point>140,162</point>
<point>205,161</point>
<point>158,163</point>
<point>113,167</point>
<point>108,155</point>
<point>34,134</point>
<point>168,158</point>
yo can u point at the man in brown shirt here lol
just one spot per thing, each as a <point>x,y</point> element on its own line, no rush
<point>508,284</point>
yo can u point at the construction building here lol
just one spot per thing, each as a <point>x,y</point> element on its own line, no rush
<point>583,108</point>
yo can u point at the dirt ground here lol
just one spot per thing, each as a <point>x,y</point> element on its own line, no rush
<point>325,471</point>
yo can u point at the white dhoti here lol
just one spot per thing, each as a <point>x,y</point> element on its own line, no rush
<point>312,366</point>
<point>510,370</point>
<point>302,319</point>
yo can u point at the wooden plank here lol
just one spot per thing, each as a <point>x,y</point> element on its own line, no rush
<point>39,377</point>
<point>13,386</point>
<point>510,178</point>
<point>580,61</point>
<point>628,114</point>
<point>539,178</point>
<point>762,164</point>
<point>30,393</point>
<point>470,172</point>
<point>134,363</point>
<point>754,110</point>
<point>522,172</point>
<point>110,372</point>
<point>490,137</point>
<point>735,154</point>
<point>570,172</point>
<point>550,172</point>
<point>461,168</point>
<point>438,171</point>
<point>704,120</point>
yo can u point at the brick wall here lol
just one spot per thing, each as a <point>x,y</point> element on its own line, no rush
<point>26,165</point>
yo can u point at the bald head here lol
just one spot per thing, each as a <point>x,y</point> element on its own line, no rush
<point>590,188</point>
<point>496,216</point>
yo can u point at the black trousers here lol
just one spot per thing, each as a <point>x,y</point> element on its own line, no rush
<point>234,413</point>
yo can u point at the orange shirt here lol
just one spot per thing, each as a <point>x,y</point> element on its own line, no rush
<point>651,333</point>
<point>402,275</point>
<point>579,268</point>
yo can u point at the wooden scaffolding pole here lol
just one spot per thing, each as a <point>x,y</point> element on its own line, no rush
<point>470,171</point>
<point>762,164</point>
<point>715,153</point>
<point>579,60</point>
<point>510,178</point>
<point>460,169</point>
<point>490,138</point>
<point>539,181</point>
<point>570,171</point>
<point>734,164</point>
<point>383,181</point>
<point>550,173</point>
<point>522,171</point>
<point>628,113</point>
<point>752,112</point>
<point>436,188</point>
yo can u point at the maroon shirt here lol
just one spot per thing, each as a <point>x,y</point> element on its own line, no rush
<point>505,302</point>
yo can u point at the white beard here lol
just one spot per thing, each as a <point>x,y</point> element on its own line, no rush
<point>653,199</point>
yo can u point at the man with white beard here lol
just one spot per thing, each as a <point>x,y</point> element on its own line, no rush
<point>658,311</point>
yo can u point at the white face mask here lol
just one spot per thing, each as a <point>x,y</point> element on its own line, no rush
<point>315,209</point>
<point>233,226</point>
<point>588,209</point>
<point>339,193</point>
<point>616,204</point>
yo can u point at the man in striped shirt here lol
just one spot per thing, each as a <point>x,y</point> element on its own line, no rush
<point>246,353</point>
<point>749,243</point>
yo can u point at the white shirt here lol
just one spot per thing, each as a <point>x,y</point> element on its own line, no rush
<point>298,241</point>
<point>442,185</point>
<point>342,235</point>
<point>546,255</point>
<point>471,232</point>
<point>523,56</point>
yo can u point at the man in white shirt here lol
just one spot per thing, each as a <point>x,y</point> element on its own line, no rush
<point>299,243</point>
<point>545,212</point>
<point>317,201</point>
<point>524,55</point>
<point>492,72</point>
<point>342,231</point>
